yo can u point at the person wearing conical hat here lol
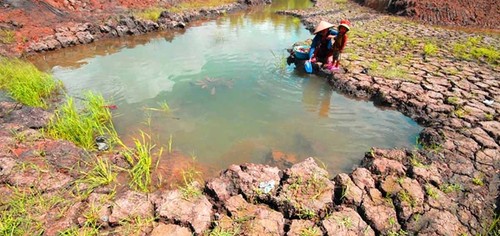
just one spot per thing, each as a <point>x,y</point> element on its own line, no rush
<point>321,48</point>
<point>338,44</point>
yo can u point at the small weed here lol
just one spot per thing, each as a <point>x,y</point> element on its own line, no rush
<point>488,116</point>
<point>453,100</point>
<point>340,1</point>
<point>224,232</point>
<point>310,231</point>
<point>431,192</point>
<point>430,49</point>
<point>406,197</point>
<point>101,174</point>
<point>80,127</point>
<point>305,213</point>
<point>401,232</point>
<point>345,222</point>
<point>280,62</point>
<point>392,221</point>
<point>460,112</point>
<point>189,187</point>
<point>448,188</point>
<point>26,84</point>
<point>149,14</point>
<point>141,160</point>
<point>474,49</point>
<point>478,180</point>
<point>7,36</point>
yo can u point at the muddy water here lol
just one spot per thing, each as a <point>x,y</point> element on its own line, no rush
<point>231,98</point>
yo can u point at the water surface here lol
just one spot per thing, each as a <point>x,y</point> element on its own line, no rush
<point>252,103</point>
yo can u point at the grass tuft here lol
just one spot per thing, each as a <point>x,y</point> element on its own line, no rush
<point>141,160</point>
<point>152,14</point>
<point>7,36</point>
<point>26,84</point>
<point>189,187</point>
<point>81,127</point>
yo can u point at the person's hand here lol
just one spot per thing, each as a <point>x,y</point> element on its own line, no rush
<point>313,59</point>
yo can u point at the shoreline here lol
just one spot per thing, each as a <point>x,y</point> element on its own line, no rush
<point>451,187</point>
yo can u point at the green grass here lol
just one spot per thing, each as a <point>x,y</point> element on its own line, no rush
<point>448,188</point>
<point>26,84</point>
<point>197,4</point>
<point>20,215</point>
<point>310,231</point>
<point>141,160</point>
<point>475,49</point>
<point>478,180</point>
<point>223,232</point>
<point>152,14</point>
<point>101,174</point>
<point>431,192</point>
<point>430,49</point>
<point>7,36</point>
<point>188,188</point>
<point>82,126</point>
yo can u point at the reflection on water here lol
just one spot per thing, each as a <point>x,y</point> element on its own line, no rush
<point>231,100</point>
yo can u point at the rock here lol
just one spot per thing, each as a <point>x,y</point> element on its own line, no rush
<point>436,222</point>
<point>489,157</point>
<point>130,205</point>
<point>257,219</point>
<point>6,166</point>
<point>430,137</point>
<point>410,199</point>
<point>493,128</point>
<point>303,227</point>
<point>384,166</point>
<point>347,222</point>
<point>30,117</point>
<point>427,174</point>
<point>379,212</point>
<point>483,138</point>
<point>84,37</point>
<point>67,39</point>
<point>347,192</point>
<point>64,155</point>
<point>196,212</point>
<point>306,191</point>
<point>245,179</point>
<point>363,179</point>
<point>37,177</point>
<point>170,229</point>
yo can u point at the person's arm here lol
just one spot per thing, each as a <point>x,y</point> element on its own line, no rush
<point>313,46</point>
<point>344,42</point>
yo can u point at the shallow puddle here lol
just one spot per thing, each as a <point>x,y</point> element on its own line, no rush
<point>231,98</point>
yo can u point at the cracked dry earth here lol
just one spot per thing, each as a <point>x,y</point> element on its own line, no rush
<point>449,187</point>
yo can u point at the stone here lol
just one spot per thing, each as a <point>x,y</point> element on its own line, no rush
<point>303,227</point>
<point>256,219</point>
<point>306,191</point>
<point>483,138</point>
<point>349,193</point>
<point>196,212</point>
<point>379,212</point>
<point>30,117</point>
<point>245,179</point>
<point>362,177</point>
<point>346,221</point>
<point>170,229</point>
<point>84,37</point>
<point>436,222</point>
<point>130,205</point>
<point>493,128</point>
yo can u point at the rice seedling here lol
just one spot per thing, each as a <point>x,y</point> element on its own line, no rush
<point>81,127</point>
<point>141,160</point>
<point>280,62</point>
<point>26,84</point>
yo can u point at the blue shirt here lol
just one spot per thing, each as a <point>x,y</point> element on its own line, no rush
<point>317,40</point>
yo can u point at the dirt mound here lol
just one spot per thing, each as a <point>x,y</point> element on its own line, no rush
<point>468,13</point>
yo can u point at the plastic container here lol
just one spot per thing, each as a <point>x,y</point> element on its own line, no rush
<point>301,52</point>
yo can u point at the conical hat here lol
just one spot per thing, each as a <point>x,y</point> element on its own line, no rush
<point>321,26</point>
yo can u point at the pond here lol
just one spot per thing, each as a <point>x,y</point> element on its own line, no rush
<point>231,98</point>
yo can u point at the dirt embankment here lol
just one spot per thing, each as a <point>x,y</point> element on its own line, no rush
<point>468,13</point>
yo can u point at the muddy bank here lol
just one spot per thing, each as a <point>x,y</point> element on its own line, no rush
<point>35,26</point>
<point>476,14</point>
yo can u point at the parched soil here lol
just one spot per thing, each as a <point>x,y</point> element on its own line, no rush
<point>468,13</point>
<point>448,187</point>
